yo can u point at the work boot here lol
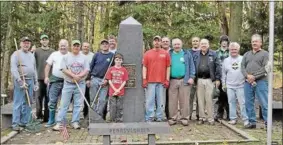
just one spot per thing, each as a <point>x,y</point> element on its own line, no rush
<point>51,120</point>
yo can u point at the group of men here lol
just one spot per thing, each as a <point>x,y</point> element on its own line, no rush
<point>73,73</point>
<point>214,79</point>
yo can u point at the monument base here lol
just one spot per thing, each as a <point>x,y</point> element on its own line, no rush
<point>108,129</point>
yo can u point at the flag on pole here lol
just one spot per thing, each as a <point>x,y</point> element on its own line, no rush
<point>64,131</point>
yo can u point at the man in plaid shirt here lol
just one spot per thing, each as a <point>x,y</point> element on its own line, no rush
<point>221,102</point>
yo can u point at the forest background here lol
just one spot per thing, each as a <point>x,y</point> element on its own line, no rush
<point>93,21</point>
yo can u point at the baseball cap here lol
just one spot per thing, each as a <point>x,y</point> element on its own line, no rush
<point>157,37</point>
<point>25,39</point>
<point>104,40</point>
<point>76,42</point>
<point>44,36</point>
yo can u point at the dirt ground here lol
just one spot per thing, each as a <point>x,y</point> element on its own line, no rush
<point>277,94</point>
<point>178,133</point>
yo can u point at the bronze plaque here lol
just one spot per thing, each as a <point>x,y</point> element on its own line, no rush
<point>131,68</point>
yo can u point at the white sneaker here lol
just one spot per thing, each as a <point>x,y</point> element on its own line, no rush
<point>57,127</point>
<point>76,125</point>
<point>232,122</point>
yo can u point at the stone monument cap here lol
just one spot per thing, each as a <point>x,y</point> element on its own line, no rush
<point>131,21</point>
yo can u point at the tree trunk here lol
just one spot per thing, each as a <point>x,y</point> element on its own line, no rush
<point>106,19</point>
<point>223,18</point>
<point>92,23</point>
<point>81,21</point>
<point>6,62</point>
<point>236,9</point>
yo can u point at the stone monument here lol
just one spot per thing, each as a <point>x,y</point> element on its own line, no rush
<point>130,45</point>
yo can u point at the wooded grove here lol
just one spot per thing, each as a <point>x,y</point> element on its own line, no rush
<point>93,21</point>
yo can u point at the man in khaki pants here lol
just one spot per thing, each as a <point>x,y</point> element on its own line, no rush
<point>181,79</point>
<point>208,75</point>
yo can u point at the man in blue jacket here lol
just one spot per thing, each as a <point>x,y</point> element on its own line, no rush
<point>181,80</point>
<point>208,75</point>
<point>193,96</point>
<point>98,68</point>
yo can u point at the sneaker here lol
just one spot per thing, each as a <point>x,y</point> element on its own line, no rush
<point>16,128</point>
<point>76,125</point>
<point>200,122</point>
<point>57,127</point>
<point>211,123</point>
<point>197,117</point>
<point>184,122</point>
<point>232,122</point>
<point>250,126</point>
<point>172,122</point>
<point>22,125</point>
<point>49,124</point>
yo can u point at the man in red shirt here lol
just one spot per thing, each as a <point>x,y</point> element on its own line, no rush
<point>117,77</point>
<point>156,75</point>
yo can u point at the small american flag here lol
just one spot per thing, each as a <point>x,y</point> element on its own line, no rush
<point>64,131</point>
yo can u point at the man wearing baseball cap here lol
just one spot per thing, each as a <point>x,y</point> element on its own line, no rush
<point>98,68</point>
<point>41,55</point>
<point>221,102</point>
<point>24,74</point>
<point>156,75</point>
<point>75,68</point>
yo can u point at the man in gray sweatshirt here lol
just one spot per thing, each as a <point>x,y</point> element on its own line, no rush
<point>253,68</point>
<point>23,69</point>
<point>233,83</point>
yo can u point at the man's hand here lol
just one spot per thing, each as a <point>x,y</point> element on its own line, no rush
<point>191,81</point>
<point>36,86</point>
<point>144,83</point>
<point>250,78</point>
<point>88,83</point>
<point>104,83</point>
<point>23,84</point>
<point>224,88</point>
<point>76,78</point>
<point>166,84</point>
<point>46,80</point>
<point>217,83</point>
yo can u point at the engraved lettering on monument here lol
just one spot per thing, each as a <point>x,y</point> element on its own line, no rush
<point>131,68</point>
<point>129,130</point>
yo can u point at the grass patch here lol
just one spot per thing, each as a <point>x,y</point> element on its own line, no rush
<point>277,80</point>
<point>6,132</point>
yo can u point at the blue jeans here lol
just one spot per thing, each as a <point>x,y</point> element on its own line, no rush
<point>102,95</point>
<point>21,108</point>
<point>233,95</point>
<point>55,90</point>
<point>69,90</point>
<point>261,91</point>
<point>155,92</point>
